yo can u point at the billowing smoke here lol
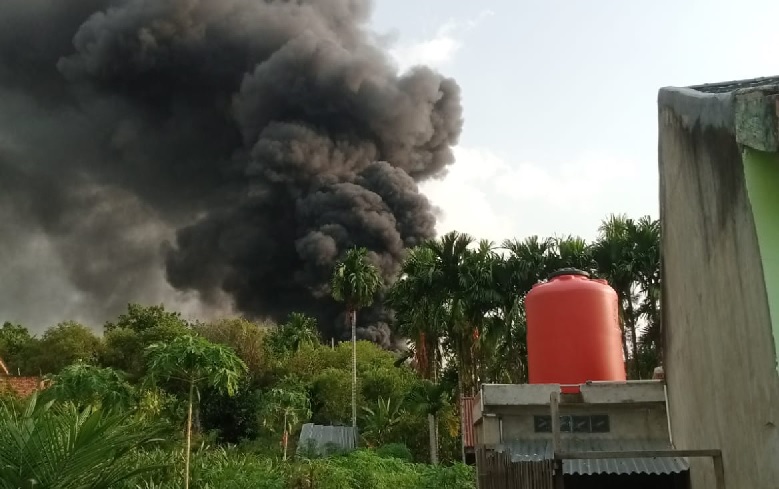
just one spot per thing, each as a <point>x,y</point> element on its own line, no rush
<point>207,152</point>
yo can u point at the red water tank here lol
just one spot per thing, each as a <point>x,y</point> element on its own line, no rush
<point>573,332</point>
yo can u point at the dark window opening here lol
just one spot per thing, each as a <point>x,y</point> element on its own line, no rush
<point>597,423</point>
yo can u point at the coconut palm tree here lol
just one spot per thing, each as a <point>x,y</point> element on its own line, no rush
<point>355,282</point>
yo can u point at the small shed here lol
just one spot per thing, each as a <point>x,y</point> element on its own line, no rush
<point>322,440</point>
<point>638,472</point>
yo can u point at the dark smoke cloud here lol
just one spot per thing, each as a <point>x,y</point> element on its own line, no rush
<point>208,151</point>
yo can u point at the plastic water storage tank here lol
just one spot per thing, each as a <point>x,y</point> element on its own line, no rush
<point>573,332</point>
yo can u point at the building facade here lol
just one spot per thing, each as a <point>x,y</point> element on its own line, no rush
<point>603,417</point>
<point>719,207</point>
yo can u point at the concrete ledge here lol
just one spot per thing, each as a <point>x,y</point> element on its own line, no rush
<point>624,392</point>
<point>748,109</point>
<point>517,394</point>
<point>755,114</point>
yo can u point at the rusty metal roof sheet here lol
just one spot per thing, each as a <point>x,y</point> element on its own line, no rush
<point>534,450</point>
<point>466,421</point>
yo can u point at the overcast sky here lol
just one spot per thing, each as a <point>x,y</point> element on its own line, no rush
<point>560,98</point>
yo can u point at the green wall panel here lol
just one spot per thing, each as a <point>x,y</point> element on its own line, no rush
<point>762,177</point>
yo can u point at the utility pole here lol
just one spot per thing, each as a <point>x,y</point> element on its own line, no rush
<point>353,320</point>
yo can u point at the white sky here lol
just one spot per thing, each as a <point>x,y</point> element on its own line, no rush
<point>560,98</point>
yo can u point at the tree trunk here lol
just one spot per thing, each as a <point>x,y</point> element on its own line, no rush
<point>631,320</point>
<point>353,319</point>
<point>432,419</point>
<point>623,327</point>
<point>189,434</point>
<point>432,425</point>
<point>284,438</point>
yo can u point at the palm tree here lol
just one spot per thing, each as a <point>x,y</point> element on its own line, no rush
<point>355,282</point>
<point>528,262</point>
<point>430,399</point>
<point>614,253</point>
<point>421,314</point>
<point>197,363</point>
<point>449,253</point>
<point>419,311</point>
<point>572,252</point>
<point>299,330</point>
<point>480,305</point>
<point>60,445</point>
<point>646,260</point>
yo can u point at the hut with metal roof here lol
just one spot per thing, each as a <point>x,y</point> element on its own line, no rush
<point>609,434</point>
<point>321,440</point>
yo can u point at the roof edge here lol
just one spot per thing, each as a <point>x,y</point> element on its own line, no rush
<point>709,110</point>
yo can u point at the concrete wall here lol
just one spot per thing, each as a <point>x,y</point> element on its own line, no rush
<point>636,410</point>
<point>720,359</point>
<point>594,393</point>
<point>626,423</point>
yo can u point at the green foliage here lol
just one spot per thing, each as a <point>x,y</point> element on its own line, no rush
<point>127,339</point>
<point>331,398</point>
<point>395,450</point>
<point>16,343</point>
<point>64,344</point>
<point>139,319</point>
<point>235,417</point>
<point>299,330</point>
<point>246,338</point>
<point>232,469</point>
<point>380,420</point>
<point>195,361</point>
<point>428,398</point>
<point>89,385</point>
<point>355,280</point>
<point>63,447</point>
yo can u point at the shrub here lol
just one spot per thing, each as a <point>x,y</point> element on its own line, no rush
<point>395,450</point>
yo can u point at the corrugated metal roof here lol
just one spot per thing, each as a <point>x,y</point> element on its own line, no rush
<point>466,421</point>
<point>321,437</point>
<point>731,86</point>
<point>534,450</point>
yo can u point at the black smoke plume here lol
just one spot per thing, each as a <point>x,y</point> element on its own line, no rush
<point>223,149</point>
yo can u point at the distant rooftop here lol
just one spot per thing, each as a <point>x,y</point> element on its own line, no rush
<point>732,86</point>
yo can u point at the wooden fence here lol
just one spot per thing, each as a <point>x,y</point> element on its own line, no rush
<point>496,471</point>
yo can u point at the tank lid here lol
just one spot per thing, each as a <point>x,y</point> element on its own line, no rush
<point>568,271</point>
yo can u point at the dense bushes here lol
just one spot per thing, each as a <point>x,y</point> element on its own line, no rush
<point>230,468</point>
